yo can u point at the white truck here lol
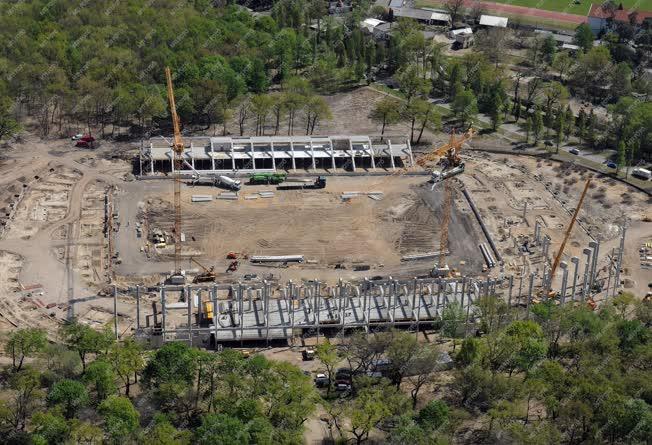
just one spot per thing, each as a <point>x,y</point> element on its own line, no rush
<point>642,173</point>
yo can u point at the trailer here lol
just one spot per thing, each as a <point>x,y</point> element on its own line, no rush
<point>294,184</point>
<point>267,178</point>
<point>277,259</point>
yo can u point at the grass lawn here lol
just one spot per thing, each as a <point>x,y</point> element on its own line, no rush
<point>555,5</point>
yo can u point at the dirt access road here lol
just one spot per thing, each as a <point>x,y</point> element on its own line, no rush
<point>26,163</point>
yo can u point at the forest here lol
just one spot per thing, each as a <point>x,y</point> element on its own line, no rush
<point>99,65</point>
<point>552,375</point>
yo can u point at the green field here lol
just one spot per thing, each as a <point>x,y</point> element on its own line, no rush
<point>554,5</point>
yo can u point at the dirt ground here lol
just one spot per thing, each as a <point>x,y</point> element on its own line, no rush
<point>336,237</point>
<point>54,257</point>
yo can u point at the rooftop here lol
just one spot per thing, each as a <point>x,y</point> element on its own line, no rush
<point>492,20</point>
<point>619,15</point>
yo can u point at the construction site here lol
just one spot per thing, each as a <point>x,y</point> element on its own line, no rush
<point>215,240</point>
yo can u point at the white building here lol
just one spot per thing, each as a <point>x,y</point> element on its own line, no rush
<point>271,153</point>
<point>492,21</point>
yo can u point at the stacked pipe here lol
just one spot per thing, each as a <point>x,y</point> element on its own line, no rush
<point>489,259</point>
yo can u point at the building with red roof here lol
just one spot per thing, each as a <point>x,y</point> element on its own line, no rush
<point>601,18</point>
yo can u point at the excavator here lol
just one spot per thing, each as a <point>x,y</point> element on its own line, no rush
<point>207,276</point>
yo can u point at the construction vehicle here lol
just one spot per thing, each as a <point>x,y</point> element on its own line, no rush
<point>267,178</point>
<point>447,156</point>
<point>318,183</point>
<point>178,148</point>
<point>236,255</point>
<point>218,181</point>
<point>158,238</point>
<point>207,276</point>
<point>233,266</point>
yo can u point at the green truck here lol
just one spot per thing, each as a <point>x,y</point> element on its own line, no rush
<point>267,178</point>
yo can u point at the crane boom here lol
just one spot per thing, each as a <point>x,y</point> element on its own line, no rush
<point>568,231</point>
<point>177,148</point>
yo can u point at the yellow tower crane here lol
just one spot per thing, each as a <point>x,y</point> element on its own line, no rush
<point>178,149</point>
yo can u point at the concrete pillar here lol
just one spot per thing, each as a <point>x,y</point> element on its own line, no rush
<point>391,156</point>
<point>115,311</point>
<point>611,269</point>
<point>330,144</point>
<point>564,281</point>
<point>212,156</point>
<point>271,145</point>
<point>524,211</point>
<point>163,311</point>
<point>585,284</point>
<point>232,157</point>
<point>537,231</point>
<point>619,261</point>
<point>575,261</point>
<point>253,155</point>
<point>215,313</point>
<point>511,286</point>
<point>151,159</point>
<point>594,263</point>
<point>294,162</point>
<point>352,154</point>
<point>371,153</point>
<point>192,156</point>
<point>529,296</point>
<point>407,142</point>
<point>189,298</point>
<point>312,154</point>
<point>137,308</point>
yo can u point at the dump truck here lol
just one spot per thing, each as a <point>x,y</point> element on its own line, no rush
<point>267,178</point>
<point>293,184</point>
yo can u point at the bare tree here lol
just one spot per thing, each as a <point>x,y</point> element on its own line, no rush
<point>455,8</point>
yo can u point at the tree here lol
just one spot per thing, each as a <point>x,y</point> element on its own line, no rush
<point>420,370</point>
<point>100,374</point>
<point>455,8</point>
<point>584,37</point>
<point>563,63</point>
<point>121,420</point>
<point>402,349</point>
<point>493,44</point>
<point>495,108</point>
<point>127,361</point>
<point>528,343</point>
<point>452,319</point>
<point>465,106</point>
<point>570,122</point>
<point>620,157</point>
<point>24,343</point>
<point>429,117</point>
<point>261,105</point>
<point>560,127</point>
<point>23,400</point>
<point>244,111</point>
<point>411,84</point>
<point>50,427</point>
<point>220,429</point>
<point>434,415</point>
<point>8,125</point>
<point>528,127</point>
<point>413,111</point>
<point>164,433</point>
<point>174,362</point>
<point>327,354</point>
<point>71,395</point>
<point>386,112</point>
<point>469,353</point>
<point>537,125</point>
<point>365,412</point>
<point>317,110</point>
<point>580,123</point>
<point>549,48</point>
<point>85,340</point>
<point>621,80</point>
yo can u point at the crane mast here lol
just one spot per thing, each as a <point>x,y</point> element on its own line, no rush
<point>177,148</point>
<point>568,231</point>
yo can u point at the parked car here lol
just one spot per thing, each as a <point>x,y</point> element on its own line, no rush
<point>574,151</point>
<point>308,354</point>
<point>342,387</point>
<point>321,381</point>
<point>77,136</point>
<point>610,164</point>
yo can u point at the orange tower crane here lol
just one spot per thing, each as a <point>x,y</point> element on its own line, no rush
<point>177,148</point>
